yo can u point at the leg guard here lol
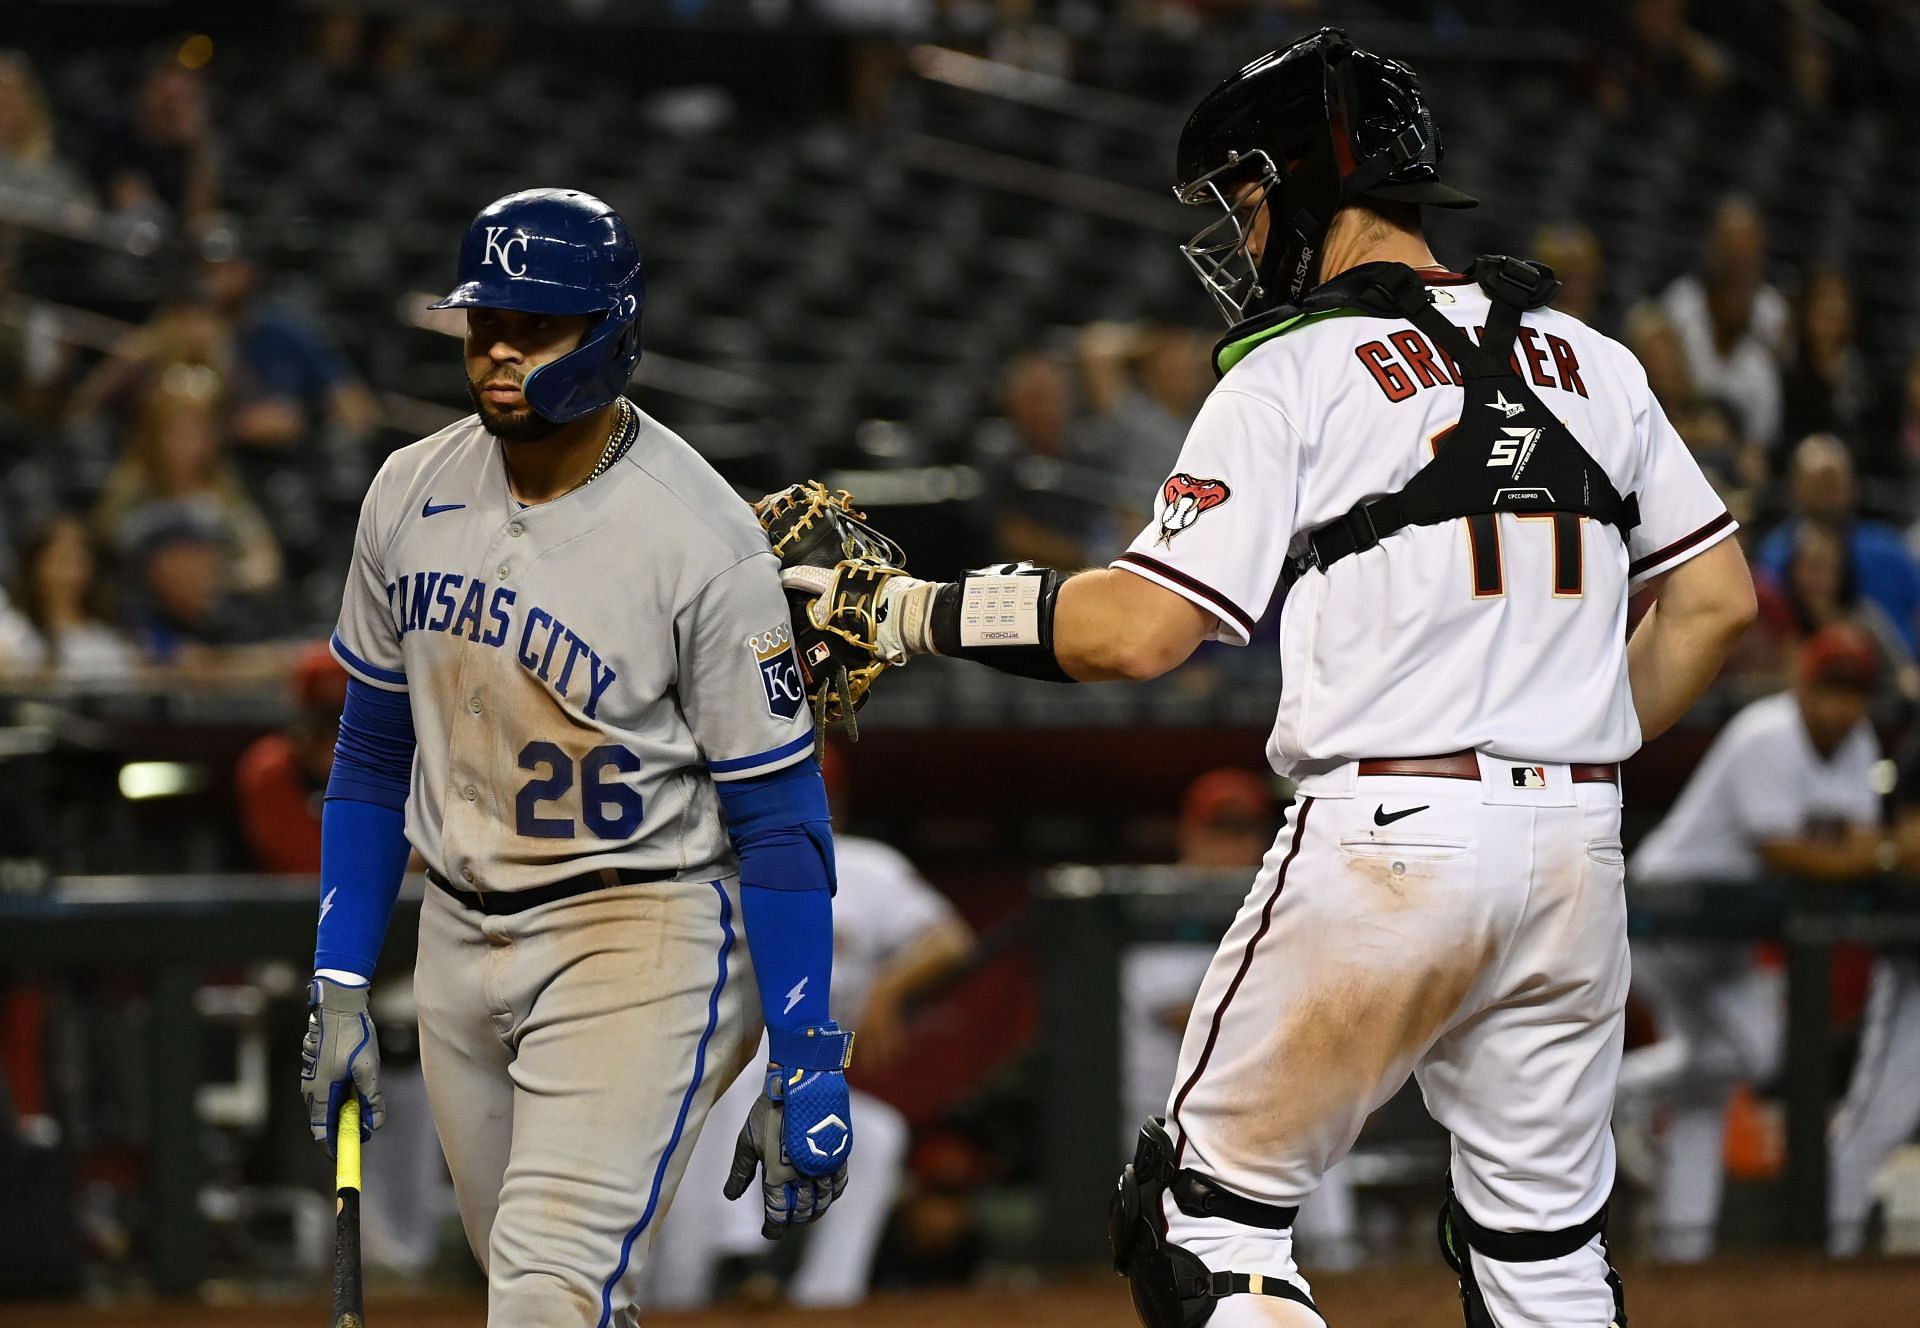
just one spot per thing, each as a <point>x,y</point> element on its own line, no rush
<point>1171,1287</point>
<point>1459,1234</point>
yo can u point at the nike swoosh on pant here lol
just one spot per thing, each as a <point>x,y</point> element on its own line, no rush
<point>1381,816</point>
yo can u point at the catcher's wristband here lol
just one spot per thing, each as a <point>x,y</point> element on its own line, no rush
<point>1000,616</point>
<point>815,1047</point>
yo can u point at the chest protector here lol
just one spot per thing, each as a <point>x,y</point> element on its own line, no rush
<point>1509,452</point>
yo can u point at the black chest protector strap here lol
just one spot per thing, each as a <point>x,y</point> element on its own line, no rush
<point>1509,452</point>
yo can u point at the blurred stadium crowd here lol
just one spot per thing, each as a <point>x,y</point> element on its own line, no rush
<point>209,248</point>
<point>923,248</point>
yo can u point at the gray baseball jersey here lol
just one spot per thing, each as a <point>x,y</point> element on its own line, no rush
<point>581,671</point>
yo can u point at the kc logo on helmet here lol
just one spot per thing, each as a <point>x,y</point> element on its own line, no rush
<point>497,247</point>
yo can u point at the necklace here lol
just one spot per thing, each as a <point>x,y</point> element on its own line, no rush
<point>624,432</point>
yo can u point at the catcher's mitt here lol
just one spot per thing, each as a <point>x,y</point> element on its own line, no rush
<point>834,619</point>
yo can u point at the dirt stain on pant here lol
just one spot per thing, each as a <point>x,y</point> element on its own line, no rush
<point>1349,1040</point>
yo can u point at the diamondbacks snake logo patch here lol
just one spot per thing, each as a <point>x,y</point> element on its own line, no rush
<point>1185,498</point>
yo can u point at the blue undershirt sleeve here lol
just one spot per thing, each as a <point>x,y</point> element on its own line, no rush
<point>363,840</point>
<point>783,835</point>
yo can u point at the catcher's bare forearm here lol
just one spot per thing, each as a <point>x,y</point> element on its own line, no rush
<point>1700,610</point>
<point>1112,626</point>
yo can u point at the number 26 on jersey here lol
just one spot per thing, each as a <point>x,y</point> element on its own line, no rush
<point>609,808</point>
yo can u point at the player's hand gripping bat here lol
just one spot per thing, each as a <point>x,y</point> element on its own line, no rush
<point>347,1310</point>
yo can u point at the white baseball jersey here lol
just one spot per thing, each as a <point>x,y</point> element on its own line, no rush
<point>881,906</point>
<point>1722,1017</point>
<point>1761,780</point>
<point>1417,647</point>
<point>581,671</point>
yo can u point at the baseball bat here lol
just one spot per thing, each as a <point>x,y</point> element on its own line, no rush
<point>347,1309</point>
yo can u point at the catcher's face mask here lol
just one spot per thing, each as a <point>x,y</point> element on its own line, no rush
<point>1221,252</point>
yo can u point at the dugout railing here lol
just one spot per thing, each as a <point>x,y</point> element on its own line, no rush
<point>168,933</point>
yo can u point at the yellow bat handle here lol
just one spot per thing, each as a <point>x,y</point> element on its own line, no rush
<point>346,1172</point>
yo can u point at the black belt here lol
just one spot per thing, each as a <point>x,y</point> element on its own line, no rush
<point>1465,765</point>
<point>500,902</point>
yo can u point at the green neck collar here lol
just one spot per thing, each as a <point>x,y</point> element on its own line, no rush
<point>1238,345</point>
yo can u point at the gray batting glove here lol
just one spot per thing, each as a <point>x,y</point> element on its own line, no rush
<point>803,1111</point>
<point>339,1049</point>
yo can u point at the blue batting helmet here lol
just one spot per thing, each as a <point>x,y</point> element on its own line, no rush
<point>559,251</point>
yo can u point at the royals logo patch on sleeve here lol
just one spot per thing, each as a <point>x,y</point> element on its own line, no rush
<point>779,671</point>
<point>1184,499</point>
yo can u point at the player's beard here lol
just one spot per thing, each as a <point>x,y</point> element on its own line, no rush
<point>525,425</point>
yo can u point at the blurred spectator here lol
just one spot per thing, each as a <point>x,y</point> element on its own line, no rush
<point>895,938</point>
<point>1736,468</point>
<point>1144,386</point>
<point>282,778</point>
<point>1573,252</point>
<point>34,179</point>
<point>177,459</point>
<point>1731,322</point>
<point>185,347</point>
<point>61,599</point>
<point>1822,495</point>
<point>1807,57</point>
<point>1788,788</point>
<point>1226,820</point>
<point>1655,342</point>
<point>161,160</point>
<point>1827,388</point>
<point>184,613</point>
<point>936,1238</point>
<point>1820,589</point>
<point>1658,55</point>
<point>287,376</point>
<point>1045,505</point>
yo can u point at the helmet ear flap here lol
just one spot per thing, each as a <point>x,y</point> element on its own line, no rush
<point>593,373</point>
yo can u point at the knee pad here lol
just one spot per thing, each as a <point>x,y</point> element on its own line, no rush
<point>1459,1234</point>
<point>1171,1286</point>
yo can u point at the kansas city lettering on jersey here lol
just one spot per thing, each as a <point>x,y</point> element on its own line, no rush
<point>1405,362</point>
<point>466,606</point>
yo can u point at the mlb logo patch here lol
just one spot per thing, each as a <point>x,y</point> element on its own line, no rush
<point>779,671</point>
<point>1529,776</point>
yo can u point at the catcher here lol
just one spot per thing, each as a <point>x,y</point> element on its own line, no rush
<point>1455,487</point>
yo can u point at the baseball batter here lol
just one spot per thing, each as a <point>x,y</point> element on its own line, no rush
<point>573,686</point>
<point>1455,487</point>
<point>1788,787</point>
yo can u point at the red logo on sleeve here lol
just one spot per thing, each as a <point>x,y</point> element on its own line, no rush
<point>1186,498</point>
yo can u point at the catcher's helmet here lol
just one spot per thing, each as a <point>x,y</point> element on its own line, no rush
<point>559,251</point>
<point>1315,127</point>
